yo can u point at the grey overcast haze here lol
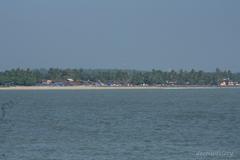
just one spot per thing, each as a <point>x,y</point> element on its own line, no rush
<point>123,34</point>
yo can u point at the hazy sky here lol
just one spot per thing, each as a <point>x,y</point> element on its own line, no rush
<point>135,34</point>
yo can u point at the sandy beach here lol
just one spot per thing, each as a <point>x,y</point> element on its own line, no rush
<point>99,88</point>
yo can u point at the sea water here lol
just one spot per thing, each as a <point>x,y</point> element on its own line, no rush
<point>146,124</point>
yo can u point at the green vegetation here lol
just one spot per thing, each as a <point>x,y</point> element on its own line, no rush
<point>28,77</point>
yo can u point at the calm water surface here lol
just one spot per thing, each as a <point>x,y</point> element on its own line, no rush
<point>120,125</point>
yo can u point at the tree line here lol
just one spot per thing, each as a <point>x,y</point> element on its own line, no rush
<point>28,77</point>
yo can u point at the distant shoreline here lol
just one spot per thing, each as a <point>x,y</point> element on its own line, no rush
<point>105,88</point>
